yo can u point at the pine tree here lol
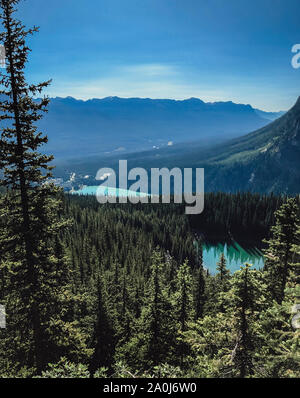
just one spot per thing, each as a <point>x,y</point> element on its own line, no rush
<point>199,284</point>
<point>223,272</point>
<point>245,298</point>
<point>279,254</point>
<point>183,304</point>
<point>222,282</point>
<point>36,280</point>
<point>104,334</point>
<point>155,333</point>
<point>183,297</point>
<point>199,292</point>
<point>278,355</point>
<point>157,316</point>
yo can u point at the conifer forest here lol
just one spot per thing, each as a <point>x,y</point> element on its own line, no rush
<point>122,290</point>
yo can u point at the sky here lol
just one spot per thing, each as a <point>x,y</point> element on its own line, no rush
<point>216,50</point>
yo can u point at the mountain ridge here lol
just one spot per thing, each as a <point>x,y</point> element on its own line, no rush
<point>265,160</point>
<point>100,126</point>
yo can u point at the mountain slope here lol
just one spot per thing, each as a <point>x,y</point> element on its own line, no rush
<point>267,160</point>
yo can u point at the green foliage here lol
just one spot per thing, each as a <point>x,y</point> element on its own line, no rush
<point>165,370</point>
<point>65,369</point>
<point>131,306</point>
<point>280,251</point>
<point>155,329</point>
<point>35,273</point>
<point>121,290</point>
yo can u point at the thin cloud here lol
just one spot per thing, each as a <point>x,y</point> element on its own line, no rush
<point>150,70</point>
<point>153,80</point>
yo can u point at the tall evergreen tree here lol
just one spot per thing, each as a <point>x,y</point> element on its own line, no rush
<point>156,318</point>
<point>199,283</point>
<point>183,304</point>
<point>104,334</point>
<point>222,282</point>
<point>244,294</point>
<point>278,355</point>
<point>183,296</point>
<point>35,278</point>
<point>279,254</point>
<point>199,292</point>
<point>223,273</point>
<point>155,336</point>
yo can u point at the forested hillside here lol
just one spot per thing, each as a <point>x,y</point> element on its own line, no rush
<point>138,301</point>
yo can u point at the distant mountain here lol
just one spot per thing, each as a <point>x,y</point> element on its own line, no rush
<point>79,128</point>
<point>269,115</point>
<point>266,160</point>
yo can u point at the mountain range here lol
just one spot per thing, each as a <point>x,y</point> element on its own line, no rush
<point>78,128</point>
<point>266,160</point>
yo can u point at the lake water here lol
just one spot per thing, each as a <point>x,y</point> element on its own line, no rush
<point>235,255</point>
<point>108,191</point>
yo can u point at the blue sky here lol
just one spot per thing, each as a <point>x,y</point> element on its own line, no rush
<point>216,50</point>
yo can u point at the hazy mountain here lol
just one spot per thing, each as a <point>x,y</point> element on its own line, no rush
<point>269,115</point>
<point>79,128</point>
<point>266,160</point>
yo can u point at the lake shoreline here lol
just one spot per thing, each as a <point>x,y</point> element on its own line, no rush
<point>237,252</point>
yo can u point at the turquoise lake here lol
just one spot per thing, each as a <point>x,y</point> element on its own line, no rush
<point>108,191</point>
<point>235,254</point>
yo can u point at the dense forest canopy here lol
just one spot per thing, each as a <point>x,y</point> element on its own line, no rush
<point>123,256</point>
